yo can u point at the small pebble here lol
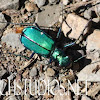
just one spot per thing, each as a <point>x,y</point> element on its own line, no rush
<point>25,73</point>
<point>12,76</point>
<point>84,97</point>
<point>18,58</point>
<point>2,19</point>
<point>31,0</point>
<point>40,3</point>
<point>46,96</point>
<point>50,72</point>
<point>98,8</point>
<point>0,46</point>
<point>53,1</point>
<point>2,86</point>
<point>65,2</point>
<point>96,20</point>
<point>2,73</point>
<point>33,72</point>
<point>31,7</point>
<point>11,98</point>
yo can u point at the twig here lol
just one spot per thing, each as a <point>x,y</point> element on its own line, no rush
<point>77,5</point>
<point>28,63</point>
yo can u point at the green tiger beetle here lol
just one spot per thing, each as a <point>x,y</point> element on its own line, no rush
<point>36,40</point>
<point>41,43</point>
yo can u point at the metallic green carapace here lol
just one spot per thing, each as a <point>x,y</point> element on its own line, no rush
<point>38,41</point>
<point>59,56</point>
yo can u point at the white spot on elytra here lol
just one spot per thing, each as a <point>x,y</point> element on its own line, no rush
<point>41,33</point>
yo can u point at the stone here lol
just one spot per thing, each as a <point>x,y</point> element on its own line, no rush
<point>92,12</point>
<point>53,1</point>
<point>61,95</point>
<point>18,77</point>
<point>84,0</point>
<point>53,83</point>
<point>12,39</point>
<point>31,0</point>
<point>50,72</point>
<point>48,78</point>
<point>93,41</point>
<point>98,7</point>
<point>12,76</point>
<point>11,98</point>
<point>98,97</point>
<point>33,72</point>
<point>84,97</point>
<point>87,73</point>
<point>2,19</point>
<point>0,46</point>
<point>18,58</point>
<point>65,2</point>
<point>75,25</point>
<point>26,97</point>
<point>2,86</point>
<point>9,4</point>
<point>96,20</point>
<point>11,13</point>
<point>49,16</point>
<point>46,96</point>
<point>42,76</point>
<point>25,73</point>
<point>2,73</point>
<point>31,7</point>
<point>87,14</point>
<point>61,18</point>
<point>11,68</point>
<point>68,77</point>
<point>93,91</point>
<point>40,3</point>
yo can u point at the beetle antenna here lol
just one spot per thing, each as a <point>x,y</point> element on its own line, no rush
<point>17,23</point>
<point>37,25</point>
<point>59,31</point>
<point>79,58</point>
<point>17,55</point>
<point>84,56</point>
<point>80,37</point>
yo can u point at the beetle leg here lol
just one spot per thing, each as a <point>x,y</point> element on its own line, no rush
<point>37,25</point>
<point>70,44</point>
<point>59,33</point>
<point>50,60</point>
<point>31,55</point>
<point>77,41</point>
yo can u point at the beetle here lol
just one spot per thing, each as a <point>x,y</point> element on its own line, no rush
<point>35,39</point>
<point>41,43</point>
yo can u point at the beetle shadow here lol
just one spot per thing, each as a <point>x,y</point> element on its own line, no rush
<point>73,51</point>
<point>76,53</point>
